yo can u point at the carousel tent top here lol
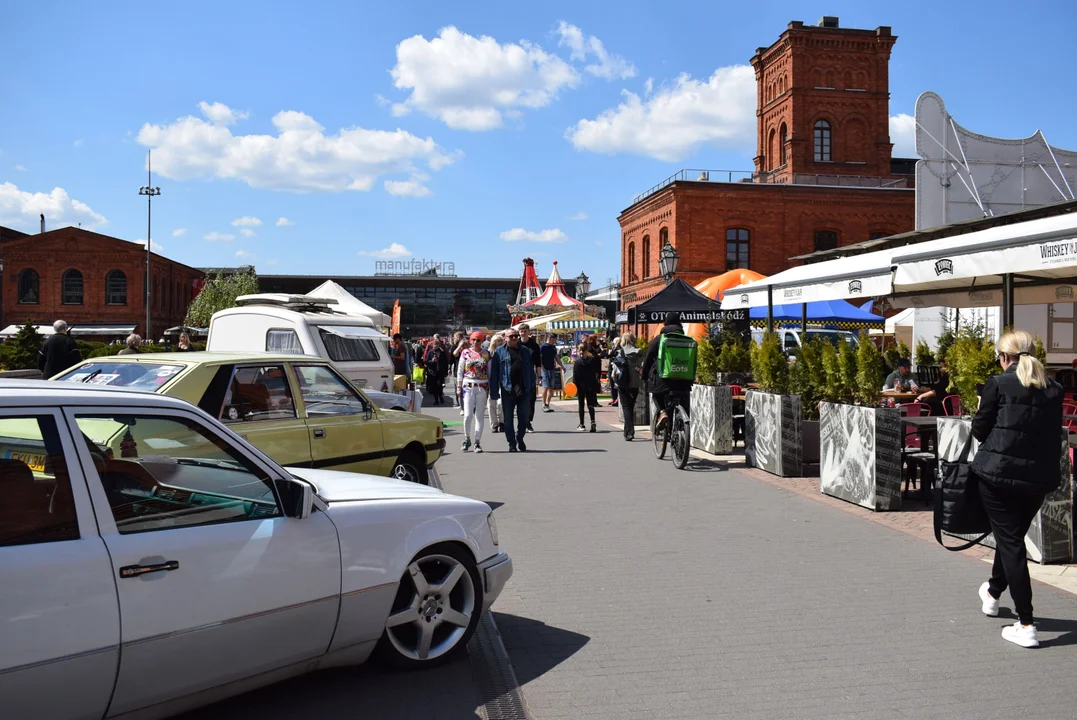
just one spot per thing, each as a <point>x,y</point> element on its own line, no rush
<point>554,294</point>
<point>579,325</point>
<point>542,323</point>
<point>349,304</point>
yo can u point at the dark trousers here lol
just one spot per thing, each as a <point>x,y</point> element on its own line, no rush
<point>533,398</point>
<point>614,392</point>
<point>590,397</point>
<point>1011,513</point>
<point>628,409</point>
<point>515,408</point>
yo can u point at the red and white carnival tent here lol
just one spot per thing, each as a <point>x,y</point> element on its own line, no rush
<point>554,295</point>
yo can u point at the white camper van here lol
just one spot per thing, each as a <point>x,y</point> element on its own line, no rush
<point>281,323</point>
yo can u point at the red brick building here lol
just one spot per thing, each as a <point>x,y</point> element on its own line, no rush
<point>90,280</point>
<point>823,177</point>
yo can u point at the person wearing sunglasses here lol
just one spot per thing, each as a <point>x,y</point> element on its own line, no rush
<point>473,379</point>
<point>512,378</point>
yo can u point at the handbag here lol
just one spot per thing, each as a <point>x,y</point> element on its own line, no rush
<point>958,508</point>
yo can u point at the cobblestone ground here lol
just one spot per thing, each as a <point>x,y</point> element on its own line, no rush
<point>645,592</point>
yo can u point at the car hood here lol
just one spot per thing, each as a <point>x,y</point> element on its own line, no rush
<point>334,486</point>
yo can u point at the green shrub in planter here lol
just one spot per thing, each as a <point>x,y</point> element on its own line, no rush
<point>924,356</point>
<point>20,352</point>
<point>944,342</point>
<point>903,350</point>
<point>734,357</point>
<point>806,378</point>
<point>707,367</point>
<point>847,363</point>
<point>972,361</point>
<point>770,366</point>
<point>891,354</point>
<point>869,372</point>
<point>831,378</point>
<point>1039,350</point>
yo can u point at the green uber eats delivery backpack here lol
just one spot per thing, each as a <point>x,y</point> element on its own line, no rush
<point>676,357</point>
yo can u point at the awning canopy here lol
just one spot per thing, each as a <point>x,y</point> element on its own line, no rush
<point>859,276</point>
<point>677,297</point>
<point>542,322</point>
<point>554,294</point>
<point>578,325</point>
<point>831,313</point>
<point>76,330</point>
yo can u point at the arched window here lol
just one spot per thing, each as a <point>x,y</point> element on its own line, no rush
<point>72,288</point>
<point>663,238</point>
<point>646,256</point>
<point>772,150</point>
<point>631,262</point>
<point>825,240</point>
<point>783,137</point>
<point>736,248</point>
<point>822,141</point>
<point>29,287</point>
<point>115,288</point>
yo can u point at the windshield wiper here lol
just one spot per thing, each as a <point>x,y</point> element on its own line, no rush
<point>92,375</point>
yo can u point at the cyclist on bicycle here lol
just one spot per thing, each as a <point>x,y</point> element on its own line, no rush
<point>662,389</point>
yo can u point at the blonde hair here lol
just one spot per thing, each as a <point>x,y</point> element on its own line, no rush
<point>1019,346</point>
<point>495,342</point>
<point>615,343</point>
<point>628,339</point>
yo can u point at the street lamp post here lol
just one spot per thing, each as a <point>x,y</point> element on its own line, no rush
<point>150,193</point>
<point>583,286</point>
<point>667,262</point>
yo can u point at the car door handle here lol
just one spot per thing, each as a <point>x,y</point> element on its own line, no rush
<point>129,571</point>
<point>319,433</point>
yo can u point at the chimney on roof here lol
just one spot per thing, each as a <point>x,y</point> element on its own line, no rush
<point>42,222</point>
<point>829,21</point>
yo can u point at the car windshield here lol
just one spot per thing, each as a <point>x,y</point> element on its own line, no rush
<point>345,343</point>
<point>139,375</point>
<point>832,336</point>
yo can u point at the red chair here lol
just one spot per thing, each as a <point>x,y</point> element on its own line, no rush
<point>951,405</point>
<point>913,409</point>
<point>736,389</point>
<point>915,459</point>
<point>1069,408</point>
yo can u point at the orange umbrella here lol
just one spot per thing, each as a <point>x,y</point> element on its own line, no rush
<point>715,287</point>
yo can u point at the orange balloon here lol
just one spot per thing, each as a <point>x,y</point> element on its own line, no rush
<point>569,390</point>
<point>715,287</point>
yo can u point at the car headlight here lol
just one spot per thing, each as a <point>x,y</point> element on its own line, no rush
<point>493,527</point>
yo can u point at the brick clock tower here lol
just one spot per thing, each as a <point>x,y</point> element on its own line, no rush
<point>823,103</point>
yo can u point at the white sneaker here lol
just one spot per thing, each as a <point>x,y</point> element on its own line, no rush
<point>990,606</point>
<point>1023,635</point>
<point>461,411</point>
<point>465,446</point>
<point>478,448</point>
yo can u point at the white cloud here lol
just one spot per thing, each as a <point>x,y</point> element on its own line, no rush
<point>243,254</point>
<point>20,168</point>
<point>678,119</point>
<point>581,215</point>
<point>408,188</point>
<point>179,232</point>
<point>395,250</point>
<point>583,46</point>
<point>903,135</point>
<point>299,158</point>
<point>20,209</point>
<point>553,235</point>
<point>271,261</point>
<point>648,86</point>
<point>471,83</point>
<point>284,222</point>
<point>221,114</point>
<point>77,143</point>
<point>216,236</point>
<point>246,221</point>
<point>247,232</point>
<point>157,247</point>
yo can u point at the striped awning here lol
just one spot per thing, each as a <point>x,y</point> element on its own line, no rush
<point>579,325</point>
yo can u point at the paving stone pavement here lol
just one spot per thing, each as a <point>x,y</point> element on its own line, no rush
<point>641,591</point>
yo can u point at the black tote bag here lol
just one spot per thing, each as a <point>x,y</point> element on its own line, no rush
<point>958,508</point>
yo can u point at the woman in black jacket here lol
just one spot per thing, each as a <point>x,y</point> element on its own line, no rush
<point>1018,425</point>
<point>586,380</point>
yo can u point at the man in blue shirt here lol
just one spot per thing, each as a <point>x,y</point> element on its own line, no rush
<point>512,378</point>
<point>551,371</point>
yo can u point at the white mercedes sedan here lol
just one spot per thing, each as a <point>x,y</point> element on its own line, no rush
<point>152,561</point>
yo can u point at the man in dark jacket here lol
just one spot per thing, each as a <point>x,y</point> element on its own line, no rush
<point>660,389</point>
<point>59,352</point>
<point>512,378</point>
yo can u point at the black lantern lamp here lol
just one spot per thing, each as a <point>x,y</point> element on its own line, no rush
<point>583,286</point>
<point>667,262</point>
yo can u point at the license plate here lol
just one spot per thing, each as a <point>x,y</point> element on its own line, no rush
<point>35,462</point>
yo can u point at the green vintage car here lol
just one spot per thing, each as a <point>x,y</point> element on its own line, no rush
<point>299,410</point>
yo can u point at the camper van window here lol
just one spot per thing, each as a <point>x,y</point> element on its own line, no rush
<point>283,341</point>
<point>342,346</point>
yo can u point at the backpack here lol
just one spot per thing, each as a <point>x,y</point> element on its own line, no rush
<point>617,370</point>
<point>676,357</point>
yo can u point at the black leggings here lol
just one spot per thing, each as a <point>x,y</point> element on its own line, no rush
<point>1011,513</point>
<point>590,396</point>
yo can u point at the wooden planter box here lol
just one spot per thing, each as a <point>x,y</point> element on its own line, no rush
<point>860,454</point>
<point>1050,538</point>
<point>772,433</point>
<point>712,419</point>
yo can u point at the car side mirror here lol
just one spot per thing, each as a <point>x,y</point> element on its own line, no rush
<point>296,497</point>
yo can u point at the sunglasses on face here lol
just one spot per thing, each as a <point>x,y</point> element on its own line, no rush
<point>514,337</point>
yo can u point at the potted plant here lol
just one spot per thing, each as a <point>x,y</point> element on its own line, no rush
<point>807,379</point>
<point>772,417</point>
<point>712,403</point>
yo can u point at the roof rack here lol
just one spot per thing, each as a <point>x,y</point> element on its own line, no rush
<point>287,301</point>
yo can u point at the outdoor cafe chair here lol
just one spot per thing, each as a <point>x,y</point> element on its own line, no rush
<point>918,462</point>
<point>951,405</point>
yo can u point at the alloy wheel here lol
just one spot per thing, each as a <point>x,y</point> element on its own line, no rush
<point>431,619</point>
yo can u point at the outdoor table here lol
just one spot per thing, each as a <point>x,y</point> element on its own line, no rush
<point>899,396</point>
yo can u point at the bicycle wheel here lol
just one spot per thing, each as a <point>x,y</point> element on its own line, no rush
<point>680,439</point>
<point>660,436</point>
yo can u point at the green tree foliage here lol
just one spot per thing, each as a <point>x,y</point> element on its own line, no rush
<point>734,357</point>
<point>833,389</point>
<point>218,294</point>
<point>924,356</point>
<point>891,353</point>
<point>869,372</point>
<point>20,352</point>
<point>806,378</point>
<point>903,350</point>
<point>972,361</point>
<point>847,363</point>
<point>770,366</point>
<point>944,342</point>
<point>1039,350</point>
<point>707,362</point>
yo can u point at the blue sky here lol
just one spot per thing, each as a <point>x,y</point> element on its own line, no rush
<point>478,133</point>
